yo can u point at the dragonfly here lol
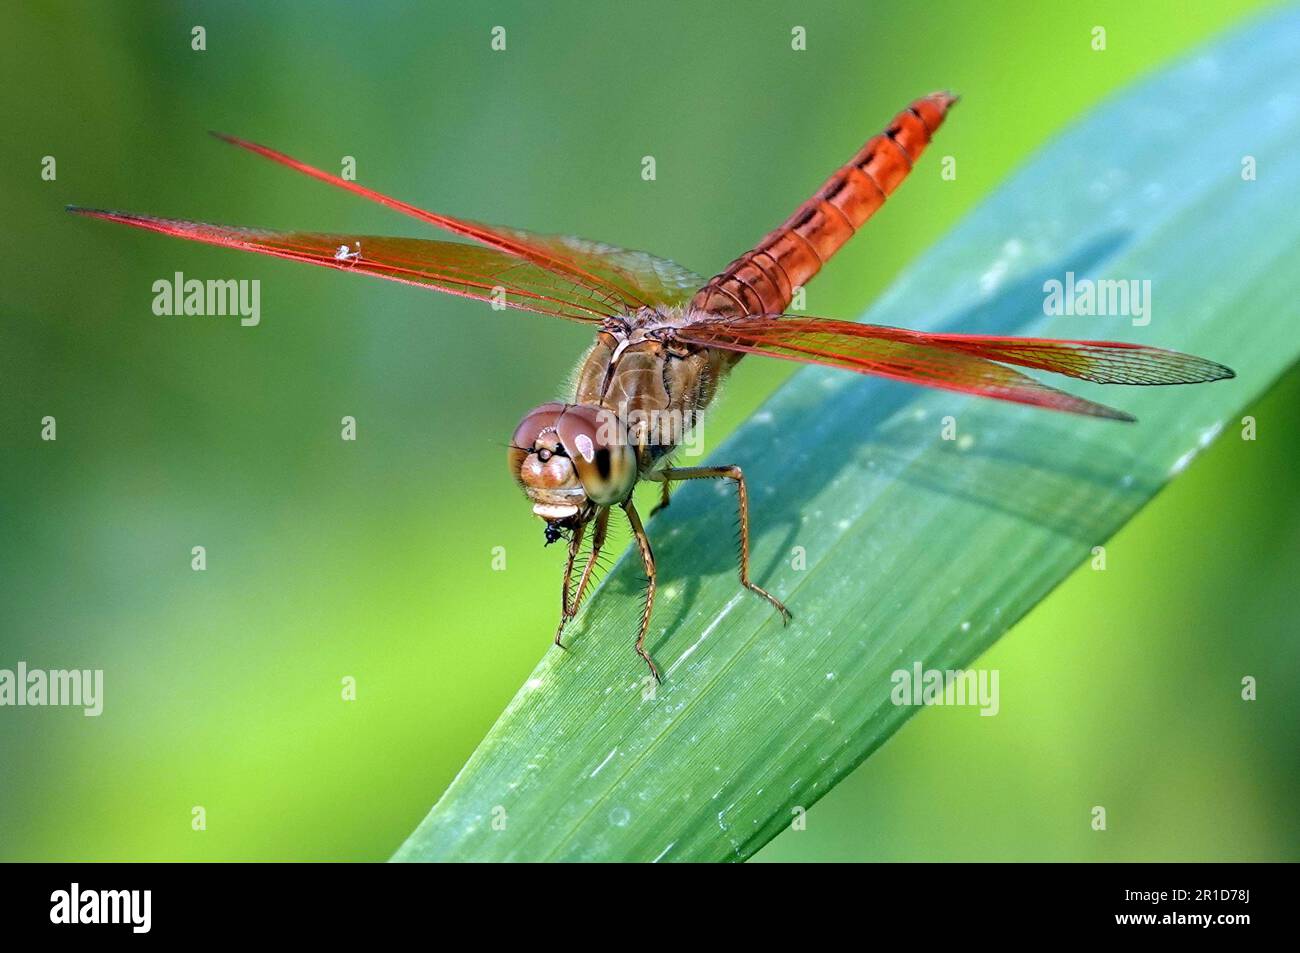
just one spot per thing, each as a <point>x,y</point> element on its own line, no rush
<point>666,337</point>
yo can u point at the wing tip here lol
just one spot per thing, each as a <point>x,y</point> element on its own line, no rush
<point>1196,370</point>
<point>109,215</point>
<point>91,212</point>
<point>1102,411</point>
<point>1204,371</point>
<point>237,141</point>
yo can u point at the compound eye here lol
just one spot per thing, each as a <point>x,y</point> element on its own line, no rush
<point>597,443</point>
<point>538,419</point>
<point>525,438</point>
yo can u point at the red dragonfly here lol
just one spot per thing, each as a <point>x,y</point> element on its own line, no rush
<point>666,337</point>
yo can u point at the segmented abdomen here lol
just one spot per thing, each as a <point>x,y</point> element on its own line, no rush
<point>762,281</point>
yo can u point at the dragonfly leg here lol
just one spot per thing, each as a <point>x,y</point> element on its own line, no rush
<point>732,473</point>
<point>648,559</point>
<point>663,499</point>
<point>597,543</point>
<point>575,544</point>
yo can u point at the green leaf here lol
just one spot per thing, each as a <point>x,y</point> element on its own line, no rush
<point>917,549</point>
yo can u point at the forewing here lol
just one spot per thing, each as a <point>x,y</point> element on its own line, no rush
<point>456,268</point>
<point>1104,362</point>
<point>632,279</point>
<point>657,281</point>
<point>953,362</point>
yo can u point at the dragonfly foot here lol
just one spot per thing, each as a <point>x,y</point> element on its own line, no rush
<point>776,603</point>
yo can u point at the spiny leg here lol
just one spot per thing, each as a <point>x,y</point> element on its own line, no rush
<point>742,494</point>
<point>663,499</point>
<point>648,559</point>
<point>575,544</point>
<point>597,541</point>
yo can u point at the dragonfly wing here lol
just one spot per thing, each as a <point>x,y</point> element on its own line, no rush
<point>632,279</point>
<point>1103,362</point>
<point>454,267</point>
<point>968,364</point>
<point>657,280</point>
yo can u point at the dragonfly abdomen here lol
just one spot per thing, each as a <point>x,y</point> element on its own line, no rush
<point>763,280</point>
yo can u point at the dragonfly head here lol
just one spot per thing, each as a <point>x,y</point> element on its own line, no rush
<point>570,459</point>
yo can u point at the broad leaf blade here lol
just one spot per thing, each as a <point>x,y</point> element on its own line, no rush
<point>917,549</point>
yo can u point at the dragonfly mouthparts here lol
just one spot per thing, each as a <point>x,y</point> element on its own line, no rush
<point>554,511</point>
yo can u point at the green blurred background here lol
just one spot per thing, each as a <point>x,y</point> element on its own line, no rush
<point>374,559</point>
